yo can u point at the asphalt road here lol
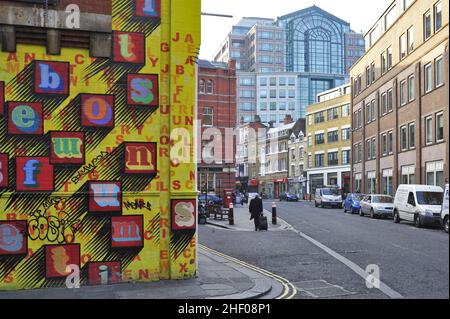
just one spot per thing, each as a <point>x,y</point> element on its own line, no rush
<point>326,248</point>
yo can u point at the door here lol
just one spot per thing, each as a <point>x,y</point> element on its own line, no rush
<point>410,208</point>
<point>348,202</point>
<point>365,205</point>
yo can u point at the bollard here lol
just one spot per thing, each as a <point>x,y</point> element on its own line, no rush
<point>231,214</point>
<point>274,213</point>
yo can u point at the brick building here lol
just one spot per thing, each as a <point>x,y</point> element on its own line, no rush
<point>217,114</point>
<point>400,99</point>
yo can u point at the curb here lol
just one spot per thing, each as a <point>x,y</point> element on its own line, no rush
<point>263,284</point>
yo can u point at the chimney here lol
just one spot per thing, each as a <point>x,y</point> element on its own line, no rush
<point>288,119</point>
<point>257,119</point>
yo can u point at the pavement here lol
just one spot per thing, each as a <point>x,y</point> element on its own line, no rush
<point>242,221</point>
<point>218,277</point>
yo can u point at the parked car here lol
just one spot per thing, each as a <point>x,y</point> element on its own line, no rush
<point>420,204</point>
<point>377,206</point>
<point>289,197</point>
<point>352,203</point>
<point>330,196</point>
<point>445,205</point>
<point>216,200</point>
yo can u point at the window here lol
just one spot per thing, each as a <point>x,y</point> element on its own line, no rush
<point>368,76</point>
<point>387,182</point>
<point>346,110</point>
<point>291,81</point>
<point>273,81</point>
<point>282,94</point>
<point>427,25</point>
<point>291,106</point>
<point>310,143</point>
<point>333,159</point>
<point>383,103</point>
<point>345,157</point>
<point>273,94</point>
<point>368,114</point>
<point>292,94</point>
<point>310,161</point>
<point>390,142</point>
<point>439,127</point>
<point>374,145</point>
<point>410,40</point>
<point>319,117</point>
<point>273,106</point>
<point>346,134</point>
<point>383,63</point>
<point>210,89</point>
<point>371,183</point>
<point>263,82</point>
<point>360,118</point>
<point>263,94</point>
<point>429,130</point>
<point>282,81</point>
<point>403,97</point>
<point>208,116</point>
<point>373,111</point>
<point>437,16</point>
<point>411,88</point>
<point>369,149</point>
<point>310,119</point>
<point>263,106</point>
<point>404,138</point>
<point>320,139</point>
<point>372,72</point>
<point>202,86</point>
<point>282,106</point>
<point>412,136</point>
<point>408,175</point>
<point>403,46</point>
<point>333,137</point>
<point>428,78</point>
<point>389,58</point>
<point>320,160</point>
<point>389,100</point>
<point>435,173</point>
<point>384,144</point>
<point>439,71</point>
<point>333,114</point>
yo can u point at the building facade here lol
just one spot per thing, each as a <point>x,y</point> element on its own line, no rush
<point>297,161</point>
<point>400,99</point>
<point>320,47</point>
<point>249,138</point>
<point>329,140</point>
<point>217,118</point>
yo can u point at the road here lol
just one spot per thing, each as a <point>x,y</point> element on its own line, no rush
<point>326,253</point>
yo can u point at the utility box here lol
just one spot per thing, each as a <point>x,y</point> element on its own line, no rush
<point>97,175</point>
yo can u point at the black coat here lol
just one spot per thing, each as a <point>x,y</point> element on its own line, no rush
<point>256,207</point>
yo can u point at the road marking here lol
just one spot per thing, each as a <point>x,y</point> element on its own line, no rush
<point>289,290</point>
<point>358,270</point>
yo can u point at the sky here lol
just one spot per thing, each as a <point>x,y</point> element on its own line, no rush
<point>360,13</point>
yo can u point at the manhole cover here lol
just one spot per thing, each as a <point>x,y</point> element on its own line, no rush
<point>321,289</point>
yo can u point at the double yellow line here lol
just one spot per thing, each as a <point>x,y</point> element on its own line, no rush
<point>289,290</point>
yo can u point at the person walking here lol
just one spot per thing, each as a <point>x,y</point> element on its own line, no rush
<point>256,209</point>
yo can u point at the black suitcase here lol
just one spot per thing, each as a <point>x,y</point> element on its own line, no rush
<point>263,223</point>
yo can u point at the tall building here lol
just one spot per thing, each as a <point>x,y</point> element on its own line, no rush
<point>400,99</point>
<point>318,47</point>
<point>328,130</point>
<point>312,44</point>
<point>297,161</point>
<point>216,110</point>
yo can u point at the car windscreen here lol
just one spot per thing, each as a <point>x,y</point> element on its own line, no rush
<point>382,200</point>
<point>357,197</point>
<point>330,192</point>
<point>429,198</point>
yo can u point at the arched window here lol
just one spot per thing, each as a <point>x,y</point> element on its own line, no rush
<point>202,86</point>
<point>210,89</point>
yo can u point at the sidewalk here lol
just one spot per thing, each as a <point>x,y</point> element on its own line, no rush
<point>242,221</point>
<point>218,278</point>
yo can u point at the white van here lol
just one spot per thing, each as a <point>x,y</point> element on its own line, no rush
<point>329,196</point>
<point>420,204</point>
<point>445,209</point>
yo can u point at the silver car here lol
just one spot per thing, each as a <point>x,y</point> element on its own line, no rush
<point>377,206</point>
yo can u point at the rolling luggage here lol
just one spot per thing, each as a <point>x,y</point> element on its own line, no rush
<point>263,223</point>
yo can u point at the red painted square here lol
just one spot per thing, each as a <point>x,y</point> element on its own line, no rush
<point>105,197</point>
<point>129,47</point>
<point>51,78</point>
<point>57,258</point>
<point>184,214</point>
<point>4,170</point>
<point>34,174</point>
<point>140,158</point>
<point>127,232</point>
<point>25,118</point>
<point>97,110</point>
<point>67,148</point>
<point>106,273</point>
<point>148,9</point>
<point>13,238</point>
<point>143,90</point>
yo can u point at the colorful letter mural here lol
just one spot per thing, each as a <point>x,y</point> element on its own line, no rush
<point>88,176</point>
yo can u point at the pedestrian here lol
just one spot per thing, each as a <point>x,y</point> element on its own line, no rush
<point>256,209</point>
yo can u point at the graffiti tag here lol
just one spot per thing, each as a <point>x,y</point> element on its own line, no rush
<point>41,226</point>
